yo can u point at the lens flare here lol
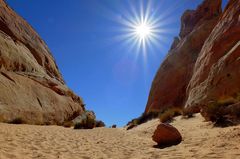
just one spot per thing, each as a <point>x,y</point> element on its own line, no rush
<point>144,26</point>
<point>143,31</point>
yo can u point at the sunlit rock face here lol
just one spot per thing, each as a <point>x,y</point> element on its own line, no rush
<point>216,76</point>
<point>31,86</point>
<point>201,72</point>
<point>171,81</point>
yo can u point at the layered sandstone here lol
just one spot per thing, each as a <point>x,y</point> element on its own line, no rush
<point>217,69</point>
<point>171,81</point>
<point>201,70</point>
<point>31,86</point>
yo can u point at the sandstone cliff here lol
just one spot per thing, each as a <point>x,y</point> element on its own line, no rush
<point>217,69</point>
<point>170,83</point>
<point>203,67</point>
<point>31,86</point>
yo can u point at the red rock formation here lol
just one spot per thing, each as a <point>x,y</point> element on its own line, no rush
<point>201,71</point>
<point>170,83</point>
<point>31,86</point>
<point>191,18</point>
<point>216,72</point>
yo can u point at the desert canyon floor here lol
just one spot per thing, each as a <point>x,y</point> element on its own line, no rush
<point>200,140</point>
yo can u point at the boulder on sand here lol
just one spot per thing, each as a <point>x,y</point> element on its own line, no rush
<point>166,135</point>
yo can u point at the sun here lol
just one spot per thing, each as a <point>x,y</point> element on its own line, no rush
<point>141,28</point>
<point>143,31</point>
<point>144,27</point>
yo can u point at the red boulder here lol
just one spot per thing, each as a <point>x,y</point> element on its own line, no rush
<point>166,135</point>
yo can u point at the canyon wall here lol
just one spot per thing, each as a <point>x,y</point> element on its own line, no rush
<point>171,81</point>
<point>202,66</point>
<point>31,86</point>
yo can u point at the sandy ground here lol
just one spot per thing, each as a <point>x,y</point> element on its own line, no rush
<point>200,140</point>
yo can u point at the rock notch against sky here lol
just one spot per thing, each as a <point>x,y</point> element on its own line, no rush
<point>31,86</point>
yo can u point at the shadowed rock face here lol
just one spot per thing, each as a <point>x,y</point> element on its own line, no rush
<point>31,86</point>
<point>171,81</point>
<point>203,67</point>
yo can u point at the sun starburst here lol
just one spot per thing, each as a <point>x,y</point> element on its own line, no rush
<point>142,28</point>
<point>145,27</point>
<point>142,31</point>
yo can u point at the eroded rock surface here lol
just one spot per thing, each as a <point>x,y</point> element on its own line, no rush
<point>217,69</point>
<point>31,86</point>
<point>171,81</point>
<point>201,71</point>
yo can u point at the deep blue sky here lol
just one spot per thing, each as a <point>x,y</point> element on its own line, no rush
<point>83,36</point>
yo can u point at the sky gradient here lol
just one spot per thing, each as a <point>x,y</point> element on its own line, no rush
<point>112,75</point>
